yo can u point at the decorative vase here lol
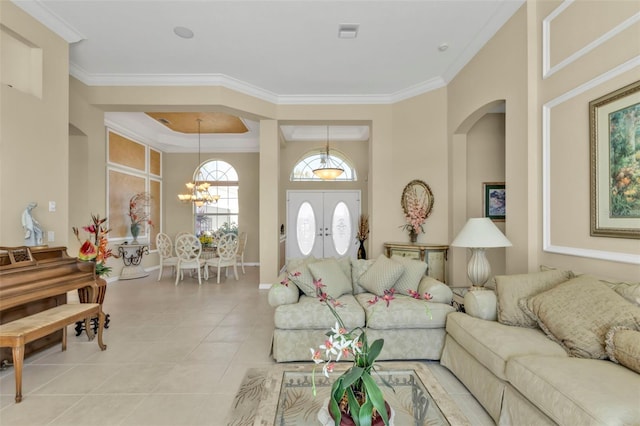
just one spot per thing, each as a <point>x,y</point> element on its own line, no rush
<point>135,231</point>
<point>362,253</point>
<point>413,236</point>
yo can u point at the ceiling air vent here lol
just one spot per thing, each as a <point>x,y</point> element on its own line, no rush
<point>348,30</point>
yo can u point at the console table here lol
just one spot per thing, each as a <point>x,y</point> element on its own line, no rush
<point>435,255</point>
<point>132,257</point>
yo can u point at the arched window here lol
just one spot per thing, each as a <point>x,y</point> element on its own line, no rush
<point>303,170</point>
<point>222,214</point>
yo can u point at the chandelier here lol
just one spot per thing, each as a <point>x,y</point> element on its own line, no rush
<point>327,170</point>
<point>198,191</point>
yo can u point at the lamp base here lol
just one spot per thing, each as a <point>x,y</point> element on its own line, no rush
<point>478,268</point>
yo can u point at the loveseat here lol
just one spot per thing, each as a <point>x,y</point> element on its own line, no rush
<point>411,328</point>
<point>540,348</point>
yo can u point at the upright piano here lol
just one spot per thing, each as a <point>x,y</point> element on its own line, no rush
<point>43,271</point>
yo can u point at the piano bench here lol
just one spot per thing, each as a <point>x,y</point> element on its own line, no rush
<point>16,334</point>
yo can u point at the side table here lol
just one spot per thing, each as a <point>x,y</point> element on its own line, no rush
<point>458,297</point>
<point>132,257</point>
<point>83,296</point>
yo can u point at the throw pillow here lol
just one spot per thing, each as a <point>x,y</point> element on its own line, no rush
<point>335,281</point>
<point>414,270</point>
<point>283,294</point>
<point>578,313</point>
<point>358,268</point>
<point>623,346</point>
<point>382,275</point>
<point>511,288</point>
<point>630,291</point>
<point>305,280</point>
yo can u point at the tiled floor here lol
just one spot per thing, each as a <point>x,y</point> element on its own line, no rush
<point>175,356</point>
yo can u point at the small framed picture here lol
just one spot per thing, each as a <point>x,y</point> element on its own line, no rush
<point>494,201</point>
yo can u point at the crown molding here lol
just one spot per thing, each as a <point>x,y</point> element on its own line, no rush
<point>248,89</point>
<point>176,143</point>
<point>42,13</point>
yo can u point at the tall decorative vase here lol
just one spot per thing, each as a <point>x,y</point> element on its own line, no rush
<point>362,254</point>
<point>413,236</point>
<point>135,231</point>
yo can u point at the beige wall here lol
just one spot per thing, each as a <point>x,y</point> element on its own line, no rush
<point>425,137</point>
<point>419,151</point>
<point>490,79</point>
<point>569,169</point>
<point>34,159</point>
<point>486,163</point>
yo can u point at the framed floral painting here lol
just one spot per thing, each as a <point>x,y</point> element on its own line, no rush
<point>614,127</point>
<point>494,201</point>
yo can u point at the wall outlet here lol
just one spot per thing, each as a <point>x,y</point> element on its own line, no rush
<point>52,206</point>
<point>50,236</point>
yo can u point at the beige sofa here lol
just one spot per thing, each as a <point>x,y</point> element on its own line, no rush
<point>409,330</point>
<point>537,350</point>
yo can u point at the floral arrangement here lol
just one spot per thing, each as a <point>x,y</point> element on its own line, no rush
<point>363,228</point>
<point>416,213</point>
<point>206,239</point>
<point>355,392</point>
<point>139,209</point>
<point>96,250</point>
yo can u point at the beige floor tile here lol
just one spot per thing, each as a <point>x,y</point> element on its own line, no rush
<point>99,410</point>
<point>37,410</point>
<point>213,353</point>
<point>191,378</point>
<point>214,414</point>
<point>33,377</point>
<point>167,410</point>
<point>134,378</point>
<point>79,380</point>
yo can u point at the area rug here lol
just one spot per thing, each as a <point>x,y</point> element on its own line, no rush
<point>246,401</point>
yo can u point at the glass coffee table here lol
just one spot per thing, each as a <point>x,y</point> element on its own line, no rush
<point>416,398</point>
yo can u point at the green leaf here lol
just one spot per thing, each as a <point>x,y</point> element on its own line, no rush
<point>366,410</point>
<point>351,376</point>
<point>375,396</point>
<point>375,349</point>
<point>354,406</point>
<point>336,395</point>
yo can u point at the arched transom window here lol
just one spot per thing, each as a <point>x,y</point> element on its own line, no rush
<point>303,170</point>
<point>222,214</point>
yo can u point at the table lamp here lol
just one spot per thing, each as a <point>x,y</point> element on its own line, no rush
<point>478,234</point>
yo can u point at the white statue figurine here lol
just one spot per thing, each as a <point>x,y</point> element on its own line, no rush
<point>32,230</point>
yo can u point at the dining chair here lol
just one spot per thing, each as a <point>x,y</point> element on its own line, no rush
<point>242,243</point>
<point>188,251</point>
<point>227,251</point>
<point>217,235</point>
<point>165,252</point>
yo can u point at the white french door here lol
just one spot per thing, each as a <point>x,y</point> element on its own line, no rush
<point>322,223</point>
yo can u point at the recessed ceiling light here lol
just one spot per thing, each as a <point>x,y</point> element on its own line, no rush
<point>443,47</point>
<point>183,32</point>
<point>348,30</point>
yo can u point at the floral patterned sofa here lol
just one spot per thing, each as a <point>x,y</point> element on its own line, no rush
<point>411,328</point>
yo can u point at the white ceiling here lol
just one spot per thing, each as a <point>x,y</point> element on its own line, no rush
<point>285,52</point>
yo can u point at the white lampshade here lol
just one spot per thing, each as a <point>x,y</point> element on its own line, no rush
<point>480,232</point>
